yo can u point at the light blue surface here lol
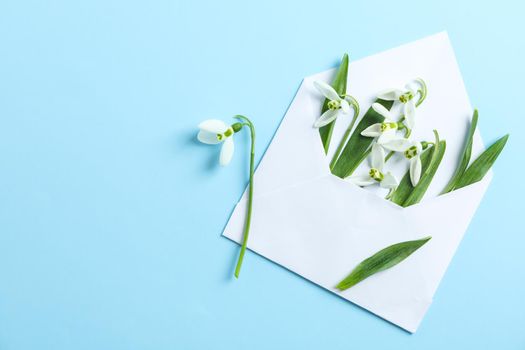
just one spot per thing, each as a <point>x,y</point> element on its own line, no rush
<point>111,213</point>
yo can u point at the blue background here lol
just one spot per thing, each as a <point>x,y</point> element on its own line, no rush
<point>111,213</point>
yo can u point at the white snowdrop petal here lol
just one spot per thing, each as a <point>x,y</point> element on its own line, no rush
<point>379,108</point>
<point>397,144</point>
<point>207,137</point>
<point>326,118</point>
<point>327,90</point>
<point>410,113</point>
<point>390,94</point>
<point>361,180</point>
<point>389,181</point>
<point>214,126</point>
<point>415,170</point>
<point>377,157</point>
<point>419,147</point>
<point>226,151</point>
<point>345,106</point>
<point>373,130</point>
<point>387,136</point>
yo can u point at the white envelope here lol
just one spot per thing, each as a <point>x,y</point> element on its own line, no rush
<point>321,227</point>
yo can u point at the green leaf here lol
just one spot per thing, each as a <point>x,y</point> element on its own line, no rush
<point>380,261</point>
<point>406,194</point>
<point>339,85</point>
<point>465,157</point>
<point>477,170</point>
<point>357,147</point>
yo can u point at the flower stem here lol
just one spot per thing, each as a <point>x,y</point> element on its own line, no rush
<point>250,196</point>
<point>346,135</point>
<point>422,92</point>
<point>389,155</point>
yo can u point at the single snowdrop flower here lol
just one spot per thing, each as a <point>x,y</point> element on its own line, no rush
<point>412,151</point>
<point>407,96</point>
<point>336,104</point>
<point>213,131</point>
<point>384,131</point>
<point>376,175</point>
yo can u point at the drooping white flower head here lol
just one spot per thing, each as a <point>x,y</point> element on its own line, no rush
<point>212,132</point>
<point>407,96</point>
<point>384,131</point>
<point>336,104</point>
<point>376,175</point>
<point>412,151</point>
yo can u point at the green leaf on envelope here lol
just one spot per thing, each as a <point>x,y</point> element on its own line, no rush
<point>465,156</point>
<point>357,147</point>
<point>380,261</point>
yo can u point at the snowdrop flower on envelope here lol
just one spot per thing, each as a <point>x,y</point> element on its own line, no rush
<point>321,226</point>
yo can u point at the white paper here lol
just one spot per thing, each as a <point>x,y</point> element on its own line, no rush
<point>321,227</point>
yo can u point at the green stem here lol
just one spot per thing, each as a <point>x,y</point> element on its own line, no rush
<point>250,196</point>
<point>339,149</point>
<point>422,92</point>
<point>389,155</point>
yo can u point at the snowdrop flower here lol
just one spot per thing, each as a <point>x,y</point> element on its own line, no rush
<point>376,174</point>
<point>336,104</point>
<point>412,151</point>
<point>407,96</point>
<point>384,131</point>
<point>213,131</point>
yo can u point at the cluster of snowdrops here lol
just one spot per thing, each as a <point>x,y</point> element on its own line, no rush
<point>392,135</point>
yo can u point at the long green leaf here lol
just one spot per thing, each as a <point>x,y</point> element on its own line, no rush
<point>358,146</point>
<point>339,85</point>
<point>465,157</point>
<point>380,261</point>
<point>406,194</point>
<point>477,170</point>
